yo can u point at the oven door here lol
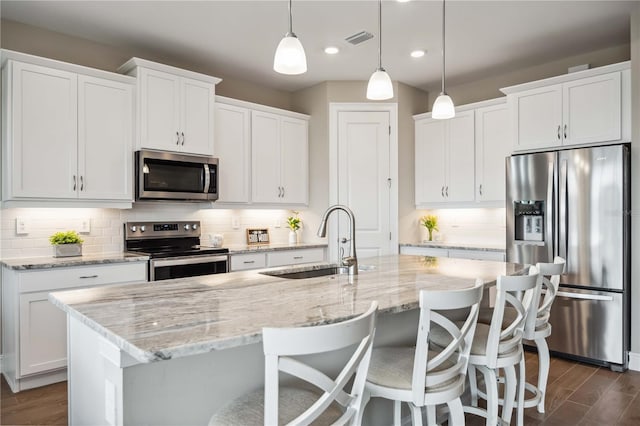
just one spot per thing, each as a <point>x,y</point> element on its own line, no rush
<point>187,266</point>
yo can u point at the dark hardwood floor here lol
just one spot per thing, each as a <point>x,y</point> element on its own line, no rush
<point>577,394</point>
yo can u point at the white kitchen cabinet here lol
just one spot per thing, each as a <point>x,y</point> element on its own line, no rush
<point>453,253</point>
<point>232,146</point>
<point>493,146</point>
<point>295,257</point>
<point>243,262</point>
<point>279,159</point>
<point>175,107</point>
<point>586,107</point>
<point>444,167</point>
<point>67,136</point>
<point>34,333</point>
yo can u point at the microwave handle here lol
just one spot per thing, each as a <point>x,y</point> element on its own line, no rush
<point>207,178</point>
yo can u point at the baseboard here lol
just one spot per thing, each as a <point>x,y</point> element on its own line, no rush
<point>634,361</point>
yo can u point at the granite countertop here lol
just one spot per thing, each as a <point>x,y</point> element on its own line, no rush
<point>190,316</point>
<point>47,262</point>
<point>456,246</point>
<point>243,248</point>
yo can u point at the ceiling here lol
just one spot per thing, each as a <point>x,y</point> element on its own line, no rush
<point>238,38</point>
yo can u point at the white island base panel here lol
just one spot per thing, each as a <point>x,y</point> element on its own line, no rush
<point>107,386</point>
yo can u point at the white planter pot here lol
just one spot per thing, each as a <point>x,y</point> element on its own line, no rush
<point>67,250</point>
<point>293,237</point>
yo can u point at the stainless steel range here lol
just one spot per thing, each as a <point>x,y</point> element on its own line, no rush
<point>174,249</point>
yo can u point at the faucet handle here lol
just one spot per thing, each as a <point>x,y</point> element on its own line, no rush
<point>349,261</point>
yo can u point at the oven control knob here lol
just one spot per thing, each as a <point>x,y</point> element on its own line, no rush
<point>187,227</point>
<point>194,226</point>
<point>134,228</point>
<point>142,229</point>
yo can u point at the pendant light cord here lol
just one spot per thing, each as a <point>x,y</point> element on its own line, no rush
<point>380,34</point>
<point>290,20</point>
<point>443,47</point>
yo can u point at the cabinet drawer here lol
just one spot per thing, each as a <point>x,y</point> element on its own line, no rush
<point>477,255</point>
<point>293,257</point>
<point>241,262</point>
<point>425,251</point>
<point>81,276</point>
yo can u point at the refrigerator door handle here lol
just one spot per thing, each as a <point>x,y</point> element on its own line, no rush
<point>584,296</point>
<point>562,216</point>
<point>549,213</point>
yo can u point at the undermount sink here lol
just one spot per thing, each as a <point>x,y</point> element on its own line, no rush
<point>307,272</point>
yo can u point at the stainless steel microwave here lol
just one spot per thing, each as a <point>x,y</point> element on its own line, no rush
<point>172,176</point>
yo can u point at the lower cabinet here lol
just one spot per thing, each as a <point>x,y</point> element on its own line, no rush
<point>454,253</point>
<point>246,261</point>
<point>34,331</point>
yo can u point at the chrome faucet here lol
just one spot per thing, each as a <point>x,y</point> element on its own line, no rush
<point>350,261</point>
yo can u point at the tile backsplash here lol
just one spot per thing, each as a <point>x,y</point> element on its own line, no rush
<point>106,225</point>
<point>482,226</point>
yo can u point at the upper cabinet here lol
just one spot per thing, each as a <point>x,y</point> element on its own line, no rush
<point>444,154</point>
<point>279,159</point>
<point>175,107</point>
<point>67,133</point>
<point>493,146</point>
<point>585,107</point>
<point>232,146</point>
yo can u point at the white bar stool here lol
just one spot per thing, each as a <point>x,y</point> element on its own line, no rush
<point>331,404</point>
<point>424,376</point>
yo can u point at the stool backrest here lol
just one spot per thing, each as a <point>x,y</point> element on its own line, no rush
<point>428,371</point>
<point>522,293</point>
<point>550,281</point>
<point>282,344</point>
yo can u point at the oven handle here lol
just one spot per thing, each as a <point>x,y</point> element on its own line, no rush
<point>187,260</point>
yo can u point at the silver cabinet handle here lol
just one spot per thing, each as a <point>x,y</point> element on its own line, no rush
<point>249,261</point>
<point>283,192</point>
<point>298,257</point>
<point>81,183</point>
<point>442,191</point>
<point>565,131</point>
<point>279,192</point>
<point>88,276</point>
<point>480,189</point>
<point>74,182</point>
<point>559,137</point>
<point>177,138</point>
<point>446,191</point>
<point>182,138</point>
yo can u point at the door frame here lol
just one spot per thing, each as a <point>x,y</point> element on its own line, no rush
<point>334,109</point>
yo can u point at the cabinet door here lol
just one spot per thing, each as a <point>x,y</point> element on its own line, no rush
<point>43,334</point>
<point>232,147</point>
<point>159,110</point>
<point>105,132</point>
<point>242,262</point>
<point>294,161</point>
<point>592,109</point>
<point>461,160</point>
<point>42,136</point>
<point>265,157</point>
<point>430,161</point>
<point>295,257</point>
<point>536,116</point>
<point>492,147</point>
<point>196,132</point>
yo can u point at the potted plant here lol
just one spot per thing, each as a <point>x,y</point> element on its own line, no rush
<point>66,244</point>
<point>431,223</point>
<point>293,222</point>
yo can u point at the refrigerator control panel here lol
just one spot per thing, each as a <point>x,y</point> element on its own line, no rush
<point>529,220</point>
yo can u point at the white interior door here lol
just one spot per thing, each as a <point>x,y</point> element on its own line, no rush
<point>364,180</point>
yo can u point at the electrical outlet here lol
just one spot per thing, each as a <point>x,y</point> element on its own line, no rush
<point>277,223</point>
<point>84,225</point>
<point>22,226</point>
<point>235,222</point>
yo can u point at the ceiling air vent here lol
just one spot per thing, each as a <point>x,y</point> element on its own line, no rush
<point>360,37</point>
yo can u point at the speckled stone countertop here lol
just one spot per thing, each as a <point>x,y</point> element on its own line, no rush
<point>46,262</point>
<point>456,246</point>
<point>243,248</point>
<point>189,316</point>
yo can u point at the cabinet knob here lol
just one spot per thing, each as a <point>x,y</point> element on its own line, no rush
<point>187,227</point>
<point>133,228</point>
<point>142,228</point>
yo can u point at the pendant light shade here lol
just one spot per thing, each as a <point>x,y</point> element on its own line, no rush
<point>380,86</point>
<point>290,57</point>
<point>443,107</point>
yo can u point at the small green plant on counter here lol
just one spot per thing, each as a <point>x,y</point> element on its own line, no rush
<point>293,222</point>
<point>431,223</point>
<point>67,237</point>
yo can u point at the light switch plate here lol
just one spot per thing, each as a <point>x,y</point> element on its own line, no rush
<point>235,222</point>
<point>22,226</point>
<point>84,225</point>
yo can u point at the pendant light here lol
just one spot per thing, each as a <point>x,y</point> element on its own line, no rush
<point>443,106</point>
<point>379,87</point>
<point>290,58</point>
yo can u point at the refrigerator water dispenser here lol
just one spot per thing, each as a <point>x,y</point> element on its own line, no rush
<point>529,220</point>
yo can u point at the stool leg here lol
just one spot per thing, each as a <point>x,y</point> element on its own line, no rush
<point>543,370</point>
<point>431,415</point>
<point>397,413</point>
<point>521,382</point>
<point>416,414</point>
<point>491,384</point>
<point>456,412</point>
<point>510,386</point>
<point>473,384</point>
<point>366,397</point>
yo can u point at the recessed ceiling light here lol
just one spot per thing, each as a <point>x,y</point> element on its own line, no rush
<point>417,54</point>
<point>331,50</point>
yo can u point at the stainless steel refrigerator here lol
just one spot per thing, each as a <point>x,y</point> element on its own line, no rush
<point>576,204</point>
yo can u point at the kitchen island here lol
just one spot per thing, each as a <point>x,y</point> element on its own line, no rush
<point>173,352</point>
